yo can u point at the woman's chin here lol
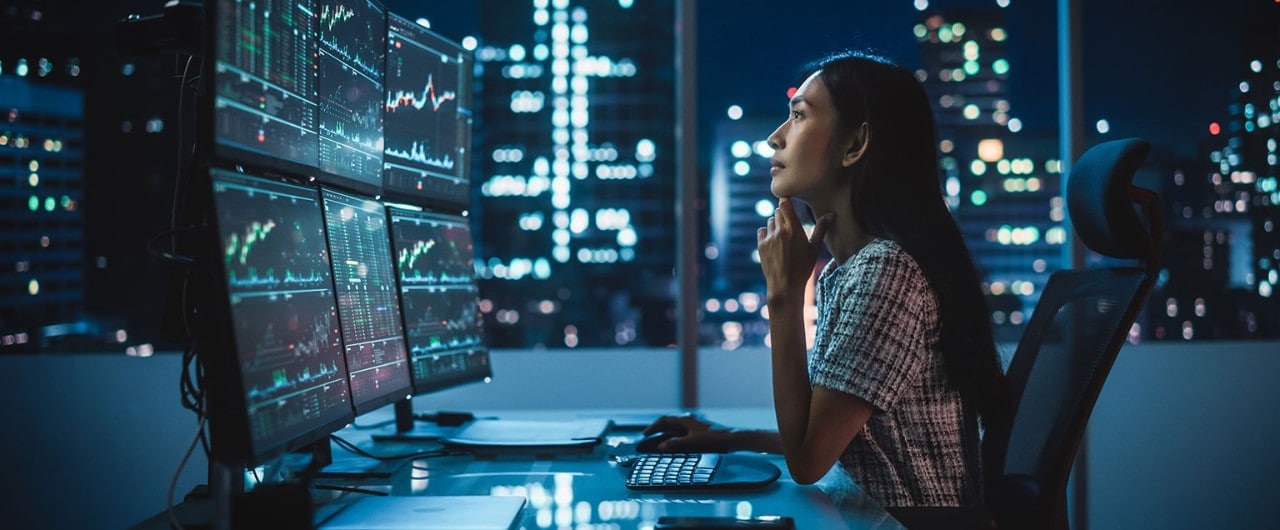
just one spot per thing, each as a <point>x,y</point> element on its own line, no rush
<point>779,190</point>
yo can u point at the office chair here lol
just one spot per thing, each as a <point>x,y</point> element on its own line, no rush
<point>1078,326</point>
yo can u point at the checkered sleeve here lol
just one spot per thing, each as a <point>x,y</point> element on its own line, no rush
<point>877,330</point>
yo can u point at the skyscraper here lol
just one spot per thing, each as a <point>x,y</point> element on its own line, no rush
<point>42,172</point>
<point>576,172</point>
<point>1224,251</point>
<point>739,201</point>
<point>1001,182</point>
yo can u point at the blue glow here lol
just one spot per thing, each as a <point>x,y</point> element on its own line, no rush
<point>765,207</point>
<point>978,197</point>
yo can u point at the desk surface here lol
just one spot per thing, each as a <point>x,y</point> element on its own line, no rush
<point>585,489</point>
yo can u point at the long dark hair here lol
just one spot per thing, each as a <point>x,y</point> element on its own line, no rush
<point>897,195</point>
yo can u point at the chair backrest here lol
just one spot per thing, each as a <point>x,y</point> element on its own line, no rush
<point>1078,326</point>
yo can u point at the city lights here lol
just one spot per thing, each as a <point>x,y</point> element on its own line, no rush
<point>990,149</point>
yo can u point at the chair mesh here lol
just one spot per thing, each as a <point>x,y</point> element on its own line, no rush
<point>1080,322</point>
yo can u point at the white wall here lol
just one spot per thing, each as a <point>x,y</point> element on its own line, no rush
<point>1184,435</point>
<point>1187,435</point>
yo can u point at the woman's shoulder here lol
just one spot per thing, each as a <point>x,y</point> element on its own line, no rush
<point>882,254</point>
<point>880,261</point>
<point>884,266</point>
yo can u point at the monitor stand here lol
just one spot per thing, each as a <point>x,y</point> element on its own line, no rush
<point>270,504</point>
<point>408,429</point>
<point>350,466</point>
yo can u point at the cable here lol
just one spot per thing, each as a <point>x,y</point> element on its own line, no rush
<point>191,389</point>
<point>177,182</point>
<point>173,483</point>
<point>373,426</point>
<point>192,396</point>
<point>168,255</point>
<point>350,447</point>
<point>350,489</point>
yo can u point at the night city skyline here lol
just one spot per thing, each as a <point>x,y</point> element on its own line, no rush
<point>1168,79</point>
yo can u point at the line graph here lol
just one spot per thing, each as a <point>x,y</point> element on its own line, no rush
<point>287,344</point>
<point>417,152</point>
<point>272,237</point>
<point>283,318</point>
<point>264,79</point>
<point>350,123</point>
<point>238,248</point>
<point>352,55</point>
<point>355,33</point>
<point>441,320</point>
<point>333,14</point>
<point>427,114</point>
<point>411,99</point>
<point>433,252</point>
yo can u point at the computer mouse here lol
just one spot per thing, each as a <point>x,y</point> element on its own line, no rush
<point>649,444</point>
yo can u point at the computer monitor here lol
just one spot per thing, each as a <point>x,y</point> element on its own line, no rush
<point>298,88</point>
<point>368,308</point>
<point>428,117</point>
<point>443,325</point>
<point>352,52</point>
<point>265,100</point>
<point>272,348</point>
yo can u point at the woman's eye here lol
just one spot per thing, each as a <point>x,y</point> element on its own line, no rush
<point>795,114</point>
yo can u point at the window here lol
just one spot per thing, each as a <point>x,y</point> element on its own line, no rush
<point>574,161</point>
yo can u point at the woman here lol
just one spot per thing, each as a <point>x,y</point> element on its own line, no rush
<point>903,363</point>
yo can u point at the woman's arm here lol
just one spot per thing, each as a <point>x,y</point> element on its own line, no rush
<point>814,425</point>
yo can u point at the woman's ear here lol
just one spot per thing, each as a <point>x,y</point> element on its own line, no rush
<point>857,146</point>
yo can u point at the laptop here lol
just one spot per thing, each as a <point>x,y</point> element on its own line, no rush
<point>516,434</point>
<point>466,512</point>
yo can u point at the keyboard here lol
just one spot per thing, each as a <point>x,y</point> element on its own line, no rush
<point>694,471</point>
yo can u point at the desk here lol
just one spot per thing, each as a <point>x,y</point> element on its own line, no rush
<point>585,489</point>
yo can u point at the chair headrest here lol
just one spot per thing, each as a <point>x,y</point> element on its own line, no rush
<point>1099,201</point>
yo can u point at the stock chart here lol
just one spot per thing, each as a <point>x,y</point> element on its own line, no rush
<point>265,87</point>
<point>427,115</point>
<point>283,315</point>
<point>368,309</point>
<point>352,50</point>
<point>442,315</point>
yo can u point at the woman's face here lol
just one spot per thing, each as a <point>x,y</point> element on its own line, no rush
<point>805,150</point>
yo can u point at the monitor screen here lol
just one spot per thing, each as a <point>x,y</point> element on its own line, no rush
<point>352,51</point>
<point>443,324</point>
<point>265,96</point>
<point>368,308</point>
<point>287,365</point>
<point>428,117</point>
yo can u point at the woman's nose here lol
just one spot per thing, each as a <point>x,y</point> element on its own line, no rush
<point>774,140</point>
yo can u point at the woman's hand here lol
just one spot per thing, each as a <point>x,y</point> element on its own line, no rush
<point>787,254</point>
<point>692,434</point>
